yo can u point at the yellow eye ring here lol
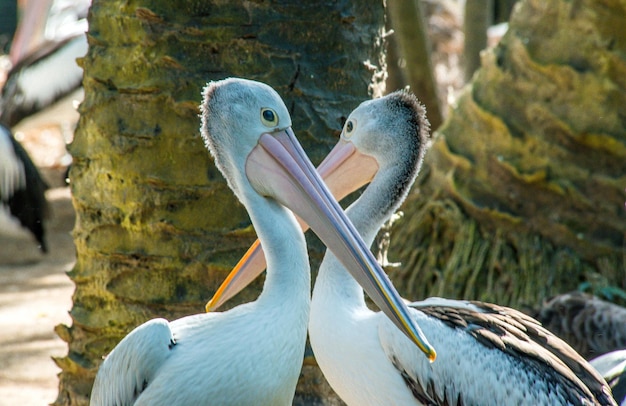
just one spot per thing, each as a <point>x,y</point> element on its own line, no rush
<point>269,117</point>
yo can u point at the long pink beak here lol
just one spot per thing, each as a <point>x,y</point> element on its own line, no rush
<point>344,170</point>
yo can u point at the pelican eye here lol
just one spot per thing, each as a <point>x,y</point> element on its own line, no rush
<point>269,117</point>
<point>349,128</point>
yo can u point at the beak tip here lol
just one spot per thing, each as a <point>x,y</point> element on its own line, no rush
<point>209,306</point>
<point>432,355</point>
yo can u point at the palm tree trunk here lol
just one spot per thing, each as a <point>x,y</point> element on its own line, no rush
<point>522,195</point>
<point>157,228</point>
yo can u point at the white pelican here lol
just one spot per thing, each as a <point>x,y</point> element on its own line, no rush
<point>487,354</point>
<point>22,190</point>
<point>251,354</point>
<point>612,367</point>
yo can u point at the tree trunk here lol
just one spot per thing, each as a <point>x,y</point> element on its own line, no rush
<point>410,55</point>
<point>157,228</point>
<point>502,10</point>
<point>478,17</point>
<point>522,195</point>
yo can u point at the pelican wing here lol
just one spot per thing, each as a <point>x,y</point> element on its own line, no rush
<point>521,336</point>
<point>132,365</point>
<point>477,344</point>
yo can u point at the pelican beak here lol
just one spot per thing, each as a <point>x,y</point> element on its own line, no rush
<point>344,170</point>
<point>249,267</point>
<point>278,167</point>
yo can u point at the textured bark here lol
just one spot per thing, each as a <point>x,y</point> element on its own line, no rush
<point>157,228</point>
<point>522,195</point>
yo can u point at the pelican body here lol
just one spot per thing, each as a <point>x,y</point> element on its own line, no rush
<point>251,354</point>
<point>487,354</point>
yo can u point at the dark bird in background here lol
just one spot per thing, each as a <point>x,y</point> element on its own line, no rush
<point>22,190</point>
<point>594,328</point>
<point>591,326</point>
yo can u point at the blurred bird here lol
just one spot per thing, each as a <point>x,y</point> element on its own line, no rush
<point>591,326</point>
<point>44,50</point>
<point>22,189</point>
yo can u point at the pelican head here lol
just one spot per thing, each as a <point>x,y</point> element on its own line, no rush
<point>235,113</point>
<point>386,135</point>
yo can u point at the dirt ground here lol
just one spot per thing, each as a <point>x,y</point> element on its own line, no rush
<point>34,297</point>
<point>35,292</point>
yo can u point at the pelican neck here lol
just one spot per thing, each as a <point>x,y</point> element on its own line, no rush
<point>288,273</point>
<point>368,214</point>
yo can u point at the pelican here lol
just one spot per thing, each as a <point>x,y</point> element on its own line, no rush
<point>22,190</point>
<point>251,354</point>
<point>487,354</point>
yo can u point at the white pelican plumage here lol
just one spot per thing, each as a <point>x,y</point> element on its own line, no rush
<point>487,354</point>
<point>251,354</point>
